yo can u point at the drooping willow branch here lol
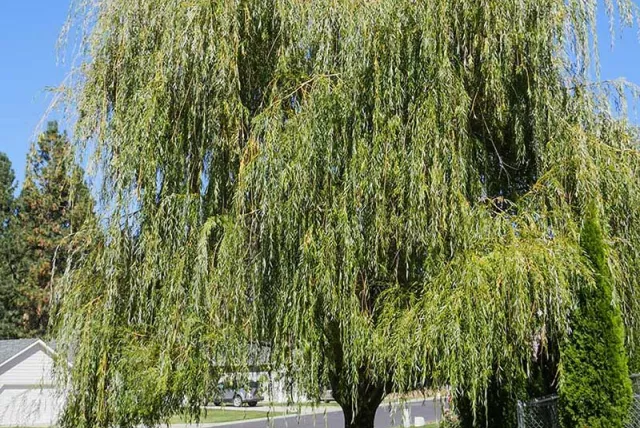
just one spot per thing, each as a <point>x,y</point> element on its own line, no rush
<point>371,206</point>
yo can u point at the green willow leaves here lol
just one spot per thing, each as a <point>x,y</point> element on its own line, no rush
<point>376,191</point>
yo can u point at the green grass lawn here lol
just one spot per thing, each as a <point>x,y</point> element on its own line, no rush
<point>216,416</point>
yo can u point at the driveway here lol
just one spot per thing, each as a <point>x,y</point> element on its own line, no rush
<point>387,416</point>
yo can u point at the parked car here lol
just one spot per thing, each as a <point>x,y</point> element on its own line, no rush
<point>238,395</point>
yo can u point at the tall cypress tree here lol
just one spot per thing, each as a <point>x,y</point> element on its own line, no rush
<point>595,391</point>
<point>53,203</point>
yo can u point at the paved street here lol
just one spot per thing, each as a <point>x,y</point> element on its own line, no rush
<point>386,417</point>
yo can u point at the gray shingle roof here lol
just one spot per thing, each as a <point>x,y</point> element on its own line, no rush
<point>9,348</point>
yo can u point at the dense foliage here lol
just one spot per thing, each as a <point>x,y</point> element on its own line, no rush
<point>54,202</point>
<point>595,389</point>
<point>383,194</point>
<point>9,313</point>
<point>35,231</point>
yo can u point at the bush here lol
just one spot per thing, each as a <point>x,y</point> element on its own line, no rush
<point>595,390</point>
<point>450,420</point>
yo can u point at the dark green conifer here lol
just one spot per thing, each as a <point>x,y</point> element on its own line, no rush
<point>595,390</point>
<point>53,203</point>
<point>9,313</point>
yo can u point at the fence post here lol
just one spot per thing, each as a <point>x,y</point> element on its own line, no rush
<point>521,414</point>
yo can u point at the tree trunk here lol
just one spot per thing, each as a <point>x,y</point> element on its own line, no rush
<point>362,413</point>
<point>363,418</point>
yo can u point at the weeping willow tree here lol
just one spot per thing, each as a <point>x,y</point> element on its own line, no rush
<point>378,194</point>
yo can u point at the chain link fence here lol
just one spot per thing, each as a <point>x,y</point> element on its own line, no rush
<point>543,412</point>
<point>634,418</point>
<point>635,383</point>
<point>539,413</point>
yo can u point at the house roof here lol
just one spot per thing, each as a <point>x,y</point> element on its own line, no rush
<point>10,348</point>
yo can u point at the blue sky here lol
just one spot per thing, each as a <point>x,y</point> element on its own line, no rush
<point>29,31</point>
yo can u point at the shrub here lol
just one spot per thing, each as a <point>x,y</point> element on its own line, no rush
<point>595,390</point>
<point>450,420</point>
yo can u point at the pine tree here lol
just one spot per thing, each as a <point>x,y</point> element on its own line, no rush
<point>595,390</point>
<point>7,189</point>
<point>53,203</point>
<point>9,314</point>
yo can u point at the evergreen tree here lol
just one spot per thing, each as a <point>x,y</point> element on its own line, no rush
<point>7,189</point>
<point>9,314</point>
<point>383,194</point>
<point>595,391</point>
<point>54,202</point>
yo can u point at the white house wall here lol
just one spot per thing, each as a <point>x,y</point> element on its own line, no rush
<point>277,389</point>
<point>26,405</point>
<point>33,367</point>
<point>28,396</point>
